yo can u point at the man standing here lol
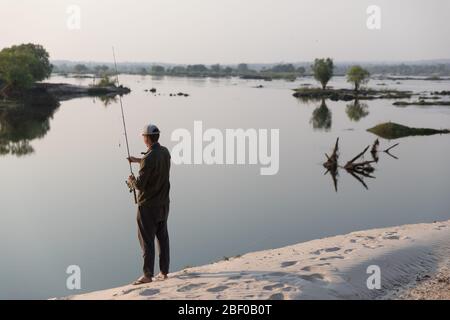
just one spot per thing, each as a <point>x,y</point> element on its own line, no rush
<point>153,203</point>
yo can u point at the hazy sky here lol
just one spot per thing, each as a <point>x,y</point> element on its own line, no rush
<point>230,31</point>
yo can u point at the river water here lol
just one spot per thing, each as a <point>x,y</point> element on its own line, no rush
<point>64,201</point>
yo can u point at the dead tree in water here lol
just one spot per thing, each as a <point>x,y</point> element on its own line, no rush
<point>364,166</point>
<point>356,167</point>
<point>332,161</point>
<point>387,151</point>
<point>374,150</point>
<point>332,164</point>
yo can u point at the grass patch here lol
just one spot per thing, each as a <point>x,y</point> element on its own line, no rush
<point>391,130</point>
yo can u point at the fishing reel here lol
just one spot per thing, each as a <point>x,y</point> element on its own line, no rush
<point>130,186</point>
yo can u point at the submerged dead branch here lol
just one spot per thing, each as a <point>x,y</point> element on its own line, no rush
<point>364,166</point>
<point>358,167</point>
<point>332,161</point>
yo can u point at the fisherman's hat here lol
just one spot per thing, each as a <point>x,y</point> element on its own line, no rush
<point>150,130</point>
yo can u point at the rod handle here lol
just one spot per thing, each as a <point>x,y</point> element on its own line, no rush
<point>135,197</point>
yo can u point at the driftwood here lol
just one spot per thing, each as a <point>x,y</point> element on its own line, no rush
<point>332,161</point>
<point>332,164</point>
<point>356,167</point>
<point>375,146</point>
<point>374,150</point>
<point>334,176</point>
<point>364,166</point>
<point>389,149</point>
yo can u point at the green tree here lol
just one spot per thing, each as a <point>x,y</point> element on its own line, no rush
<point>243,68</point>
<point>323,71</point>
<point>216,68</point>
<point>283,68</point>
<point>101,70</point>
<point>22,65</point>
<point>15,71</point>
<point>358,76</point>
<point>157,70</point>
<point>178,70</point>
<point>301,70</point>
<point>106,81</point>
<point>80,68</point>
<point>228,70</point>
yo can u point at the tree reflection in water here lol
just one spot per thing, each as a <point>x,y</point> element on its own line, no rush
<point>322,117</point>
<point>357,110</point>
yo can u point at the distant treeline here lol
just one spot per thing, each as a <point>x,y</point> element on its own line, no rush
<point>286,71</point>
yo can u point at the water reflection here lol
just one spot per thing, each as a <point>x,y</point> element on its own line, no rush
<point>322,117</point>
<point>20,123</point>
<point>107,100</point>
<point>25,121</point>
<point>357,110</point>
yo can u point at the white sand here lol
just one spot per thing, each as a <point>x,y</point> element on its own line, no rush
<point>330,268</point>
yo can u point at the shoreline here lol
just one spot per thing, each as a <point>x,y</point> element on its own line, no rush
<point>329,268</point>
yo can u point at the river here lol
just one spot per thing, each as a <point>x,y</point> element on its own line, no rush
<point>64,201</point>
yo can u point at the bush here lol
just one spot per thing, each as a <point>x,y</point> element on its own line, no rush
<point>23,65</point>
<point>106,82</point>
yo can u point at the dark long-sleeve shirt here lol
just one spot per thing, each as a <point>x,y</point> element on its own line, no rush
<point>153,181</point>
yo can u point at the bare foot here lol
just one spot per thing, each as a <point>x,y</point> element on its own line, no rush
<point>162,277</point>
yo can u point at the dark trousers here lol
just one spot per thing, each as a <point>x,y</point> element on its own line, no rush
<point>152,221</point>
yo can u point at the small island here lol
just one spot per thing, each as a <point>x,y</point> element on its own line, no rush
<point>323,71</point>
<point>393,131</point>
<point>349,94</point>
<point>24,67</point>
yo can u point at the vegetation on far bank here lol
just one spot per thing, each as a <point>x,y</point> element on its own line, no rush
<point>427,70</point>
<point>280,71</point>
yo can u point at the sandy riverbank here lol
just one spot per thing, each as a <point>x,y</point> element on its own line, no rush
<point>413,261</point>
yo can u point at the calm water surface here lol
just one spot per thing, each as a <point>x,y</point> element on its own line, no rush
<point>65,202</point>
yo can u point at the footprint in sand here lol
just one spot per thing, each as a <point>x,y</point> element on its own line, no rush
<point>190,287</point>
<point>277,274</point>
<point>288,289</point>
<point>217,289</point>
<point>373,247</point>
<point>312,277</point>
<point>390,235</point>
<point>317,266</point>
<point>331,258</point>
<point>273,286</point>
<point>190,275</point>
<point>277,296</point>
<point>288,264</point>
<point>328,250</point>
<point>149,292</point>
<point>128,291</point>
<point>334,249</point>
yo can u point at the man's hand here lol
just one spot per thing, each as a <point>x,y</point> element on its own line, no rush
<point>134,160</point>
<point>131,179</point>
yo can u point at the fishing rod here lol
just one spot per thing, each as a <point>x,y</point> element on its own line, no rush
<point>124,128</point>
